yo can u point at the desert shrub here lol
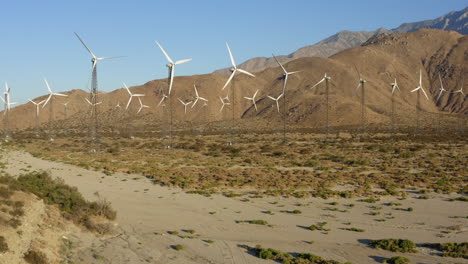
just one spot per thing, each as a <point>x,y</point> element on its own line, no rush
<point>397,260</point>
<point>319,226</point>
<point>35,257</point>
<point>354,229</point>
<point>178,247</point>
<point>286,258</point>
<point>3,245</point>
<point>68,199</point>
<point>454,250</point>
<point>461,199</point>
<point>395,245</point>
<point>253,222</point>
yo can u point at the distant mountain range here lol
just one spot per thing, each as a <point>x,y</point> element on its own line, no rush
<point>456,21</point>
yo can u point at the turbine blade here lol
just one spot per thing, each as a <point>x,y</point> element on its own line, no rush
<point>196,91</point>
<point>440,79</point>
<point>271,98</point>
<point>256,110</point>
<point>420,78</point>
<point>194,103</point>
<point>425,94</point>
<point>277,106</point>
<point>47,100</point>
<point>255,94</point>
<point>129,101</point>
<point>182,61</point>
<point>181,101</point>
<point>59,94</point>
<point>229,80</point>
<point>246,72</point>
<point>113,57</point>
<point>172,79</point>
<point>284,70</point>
<point>357,88</point>
<point>285,82</point>
<point>88,101</point>
<point>230,55</point>
<point>165,53</point>
<point>321,81</point>
<point>160,102</point>
<point>86,46</point>
<point>281,95</point>
<point>289,73</point>
<point>47,84</point>
<point>417,88</point>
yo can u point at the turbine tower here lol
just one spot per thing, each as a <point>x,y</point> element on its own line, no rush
<point>363,100</point>
<point>418,102</point>
<point>6,111</point>
<point>130,127</point>
<point>38,106</point>
<point>50,99</point>
<point>234,70</point>
<point>94,125</point>
<point>171,72</point>
<point>441,89</point>
<point>325,79</point>
<point>395,87</point>
<point>285,78</point>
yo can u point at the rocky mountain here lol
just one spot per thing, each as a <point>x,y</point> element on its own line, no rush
<point>456,21</point>
<point>381,59</point>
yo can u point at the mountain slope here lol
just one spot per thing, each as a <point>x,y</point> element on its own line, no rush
<point>456,21</point>
<point>379,60</point>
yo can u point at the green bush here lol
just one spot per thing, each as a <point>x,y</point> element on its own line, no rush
<point>397,260</point>
<point>395,245</point>
<point>286,258</point>
<point>54,191</point>
<point>454,250</point>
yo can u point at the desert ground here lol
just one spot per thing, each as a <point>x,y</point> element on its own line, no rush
<point>158,209</point>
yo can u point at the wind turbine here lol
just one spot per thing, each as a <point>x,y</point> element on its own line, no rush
<point>94,88</point>
<point>285,75</point>
<point>197,97</point>
<point>441,89</point>
<point>325,79</point>
<point>363,99</point>
<point>395,87</point>
<point>171,70</point>
<point>461,117</point>
<point>6,112</point>
<point>223,104</point>
<point>92,104</point>
<point>164,97</point>
<point>276,100</point>
<point>141,105</point>
<point>185,105</point>
<point>38,106</point>
<point>418,103</point>
<point>131,96</point>
<point>51,109</point>
<point>253,99</point>
<point>234,70</point>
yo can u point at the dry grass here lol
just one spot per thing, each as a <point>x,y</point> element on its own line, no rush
<point>307,166</point>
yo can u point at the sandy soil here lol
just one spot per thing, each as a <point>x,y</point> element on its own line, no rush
<point>147,211</point>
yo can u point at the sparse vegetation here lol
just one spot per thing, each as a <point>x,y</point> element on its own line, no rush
<point>253,222</point>
<point>395,245</point>
<point>54,191</point>
<point>454,250</point>
<point>297,258</point>
<point>35,257</point>
<point>3,245</point>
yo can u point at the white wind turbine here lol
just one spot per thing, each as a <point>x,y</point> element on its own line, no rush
<point>131,96</point>
<point>395,87</point>
<point>51,94</point>
<point>171,65</point>
<point>363,100</point>
<point>253,99</point>
<point>185,105</point>
<point>6,112</point>
<point>164,97</point>
<point>276,100</point>
<point>327,80</point>
<point>171,68</point>
<point>285,75</point>
<point>460,91</point>
<point>223,103</point>
<point>441,89</point>
<point>197,97</point>
<point>418,103</point>
<point>141,105</point>
<point>461,117</point>
<point>234,70</point>
<point>38,107</point>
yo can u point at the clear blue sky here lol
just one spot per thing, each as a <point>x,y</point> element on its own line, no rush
<point>37,37</point>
